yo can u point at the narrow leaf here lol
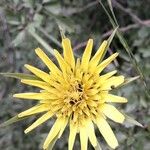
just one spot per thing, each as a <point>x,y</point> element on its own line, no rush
<point>109,42</point>
<point>41,41</point>
<point>133,121</point>
<point>112,36</point>
<point>19,76</point>
<point>51,38</point>
<point>11,121</point>
<point>129,80</point>
<point>112,11</point>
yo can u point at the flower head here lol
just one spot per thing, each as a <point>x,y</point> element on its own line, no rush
<point>76,94</point>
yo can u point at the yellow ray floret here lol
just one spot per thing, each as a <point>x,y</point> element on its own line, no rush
<point>53,132</point>
<point>35,96</point>
<point>91,133</point>
<point>112,82</point>
<point>114,99</point>
<point>68,52</point>
<point>75,94</point>
<point>72,135</point>
<point>106,132</point>
<point>112,113</point>
<point>42,119</point>
<point>106,62</point>
<point>34,110</point>
<point>96,58</point>
<point>86,55</point>
<point>83,138</point>
<point>41,74</point>
<point>52,67</point>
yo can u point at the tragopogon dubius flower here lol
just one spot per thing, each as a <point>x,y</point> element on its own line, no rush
<point>76,94</point>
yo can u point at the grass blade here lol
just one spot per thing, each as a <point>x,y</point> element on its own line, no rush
<point>50,37</point>
<point>41,41</point>
<point>109,42</point>
<point>125,44</point>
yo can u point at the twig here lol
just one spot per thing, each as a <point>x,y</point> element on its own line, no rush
<point>80,45</point>
<point>79,10</point>
<point>123,29</point>
<point>130,13</point>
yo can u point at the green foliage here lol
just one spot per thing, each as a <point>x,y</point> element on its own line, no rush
<point>28,24</point>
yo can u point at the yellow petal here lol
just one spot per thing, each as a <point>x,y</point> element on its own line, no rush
<point>35,96</point>
<point>41,74</point>
<point>68,52</point>
<point>63,65</point>
<point>107,75</point>
<point>112,82</point>
<point>114,99</point>
<point>106,132</point>
<point>106,62</point>
<point>37,83</point>
<point>39,121</point>
<point>63,127</point>
<point>47,61</point>
<point>83,138</point>
<point>34,110</point>
<point>91,134</point>
<point>72,135</point>
<point>53,132</point>
<point>112,113</point>
<point>96,58</point>
<point>44,85</point>
<point>78,71</point>
<point>92,92</point>
<point>59,79</point>
<point>86,55</point>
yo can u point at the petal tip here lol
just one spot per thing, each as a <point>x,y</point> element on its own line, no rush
<point>26,66</point>
<point>37,50</point>
<point>15,95</point>
<point>26,131</point>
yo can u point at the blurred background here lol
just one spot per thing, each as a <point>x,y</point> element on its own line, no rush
<point>27,24</point>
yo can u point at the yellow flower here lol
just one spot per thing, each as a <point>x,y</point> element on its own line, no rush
<point>76,94</point>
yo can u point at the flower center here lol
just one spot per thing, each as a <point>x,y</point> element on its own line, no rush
<point>80,99</point>
<point>75,93</point>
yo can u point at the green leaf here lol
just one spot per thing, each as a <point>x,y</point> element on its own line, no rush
<point>11,121</point>
<point>109,42</point>
<point>129,80</point>
<point>40,40</point>
<point>19,76</point>
<point>19,38</point>
<point>112,11</point>
<point>51,38</point>
<point>132,121</point>
<point>111,37</point>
